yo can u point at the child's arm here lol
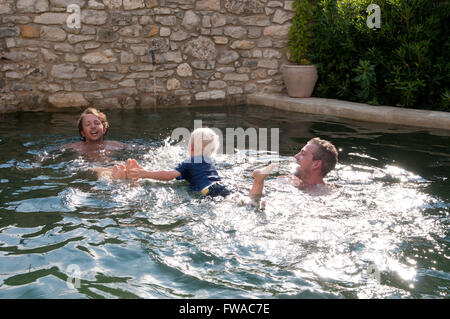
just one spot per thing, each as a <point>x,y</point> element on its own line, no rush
<point>136,173</point>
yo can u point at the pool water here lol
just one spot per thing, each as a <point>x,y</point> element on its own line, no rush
<point>381,233</point>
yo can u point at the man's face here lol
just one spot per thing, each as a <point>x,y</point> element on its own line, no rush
<point>93,129</point>
<point>305,161</point>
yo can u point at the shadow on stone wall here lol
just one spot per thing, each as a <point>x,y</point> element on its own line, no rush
<point>205,52</point>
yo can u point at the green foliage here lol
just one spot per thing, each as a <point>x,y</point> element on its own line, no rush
<point>365,78</point>
<point>404,63</point>
<point>298,33</point>
<point>446,100</point>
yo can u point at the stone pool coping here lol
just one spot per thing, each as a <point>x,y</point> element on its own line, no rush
<point>354,111</point>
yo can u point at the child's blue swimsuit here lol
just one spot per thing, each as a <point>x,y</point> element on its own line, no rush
<point>202,176</point>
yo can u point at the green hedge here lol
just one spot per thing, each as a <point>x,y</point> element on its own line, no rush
<point>404,63</point>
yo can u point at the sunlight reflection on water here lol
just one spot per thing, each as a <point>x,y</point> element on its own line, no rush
<point>379,233</point>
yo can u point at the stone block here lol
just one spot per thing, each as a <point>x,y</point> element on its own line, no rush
<point>219,84</point>
<point>93,4</point>
<point>68,57</point>
<point>64,47</point>
<point>201,48</point>
<point>228,56</point>
<point>218,20</point>
<point>87,86</point>
<point>150,31</point>
<point>256,20</point>
<point>65,3</point>
<point>127,58</point>
<point>173,84</point>
<point>52,34</point>
<point>166,20</point>
<point>32,6</point>
<point>51,18</point>
<point>131,31</point>
<point>243,44</point>
<point>179,36</point>
<point>9,32</point>
<point>139,49</point>
<point>6,8</point>
<point>210,95</point>
<point>165,32</point>
<point>172,57</point>
<point>107,35</point>
<point>190,20</point>
<point>67,100</point>
<point>120,92</point>
<point>95,17</point>
<point>268,64</point>
<point>184,70</point>
<point>121,19</point>
<point>107,103</point>
<point>275,4</point>
<point>211,5</point>
<point>110,76</point>
<point>113,4</point>
<point>29,31</point>
<point>277,31</point>
<point>281,16</point>
<point>128,83</point>
<point>103,57</point>
<point>151,3</point>
<point>244,7</point>
<point>17,19</point>
<point>236,77</point>
<point>133,4</point>
<point>220,40</point>
<point>235,32</point>
<point>14,75</point>
<point>235,90</point>
<point>73,38</point>
<point>68,71</point>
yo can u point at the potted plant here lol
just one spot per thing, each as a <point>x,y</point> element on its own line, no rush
<point>300,76</point>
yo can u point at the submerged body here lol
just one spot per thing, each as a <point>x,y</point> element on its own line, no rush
<point>389,212</point>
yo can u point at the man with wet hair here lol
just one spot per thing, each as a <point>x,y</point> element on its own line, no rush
<point>92,126</point>
<point>316,159</point>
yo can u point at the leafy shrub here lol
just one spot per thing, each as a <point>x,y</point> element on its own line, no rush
<point>404,63</point>
<point>298,33</point>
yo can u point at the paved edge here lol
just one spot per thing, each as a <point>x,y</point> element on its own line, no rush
<point>354,111</point>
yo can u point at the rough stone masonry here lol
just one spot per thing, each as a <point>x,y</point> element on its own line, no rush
<point>205,52</point>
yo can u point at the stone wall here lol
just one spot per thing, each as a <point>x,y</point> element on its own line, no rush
<point>205,52</point>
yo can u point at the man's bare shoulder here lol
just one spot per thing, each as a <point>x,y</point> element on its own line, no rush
<point>317,190</point>
<point>115,145</point>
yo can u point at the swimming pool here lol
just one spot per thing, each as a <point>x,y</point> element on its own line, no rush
<point>382,233</point>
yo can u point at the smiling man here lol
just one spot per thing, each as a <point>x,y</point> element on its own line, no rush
<point>315,160</point>
<point>92,126</point>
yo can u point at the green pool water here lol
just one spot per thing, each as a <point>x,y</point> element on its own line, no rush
<point>382,232</point>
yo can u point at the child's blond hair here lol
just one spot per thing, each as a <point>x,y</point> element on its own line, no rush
<point>205,140</point>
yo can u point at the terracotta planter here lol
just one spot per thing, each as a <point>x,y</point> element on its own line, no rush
<point>299,79</point>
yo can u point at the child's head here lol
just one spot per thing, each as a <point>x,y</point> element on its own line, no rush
<point>203,141</point>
